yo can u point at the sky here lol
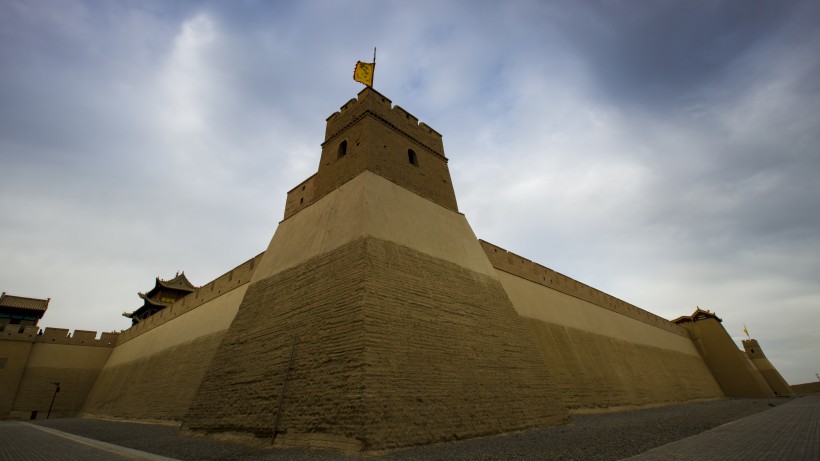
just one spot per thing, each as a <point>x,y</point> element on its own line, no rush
<point>665,152</point>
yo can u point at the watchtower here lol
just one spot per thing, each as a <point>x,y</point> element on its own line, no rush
<point>769,372</point>
<point>374,308</point>
<point>370,134</point>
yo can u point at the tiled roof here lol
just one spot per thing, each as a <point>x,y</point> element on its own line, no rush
<point>699,314</point>
<point>21,302</point>
<point>179,282</point>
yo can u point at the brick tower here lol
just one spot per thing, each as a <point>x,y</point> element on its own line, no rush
<point>374,319</point>
<point>769,372</point>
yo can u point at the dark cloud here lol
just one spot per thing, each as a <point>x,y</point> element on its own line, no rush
<point>664,53</point>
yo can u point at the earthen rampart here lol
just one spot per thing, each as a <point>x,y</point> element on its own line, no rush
<point>511,263</point>
<point>228,281</point>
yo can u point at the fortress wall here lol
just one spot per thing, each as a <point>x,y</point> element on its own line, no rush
<point>234,278</point>
<point>769,372</point>
<point>300,196</point>
<point>524,268</point>
<point>351,211</point>
<point>601,359</point>
<point>153,375</point>
<point>604,353</point>
<point>405,334</point>
<point>15,347</point>
<point>394,348</point>
<point>772,377</point>
<point>74,362</point>
<point>806,388</point>
<point>731,367</point>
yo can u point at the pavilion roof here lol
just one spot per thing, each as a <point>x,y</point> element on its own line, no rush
<point>699,314</point>
<point>179,283</point>
<point>21,302</point>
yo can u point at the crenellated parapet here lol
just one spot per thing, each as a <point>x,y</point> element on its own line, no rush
<point>234,278</point>
<point>510,262</point>
<point>18,333</point>
<point>58,336</point>
<point>373,104</point>
<point>78,338</point>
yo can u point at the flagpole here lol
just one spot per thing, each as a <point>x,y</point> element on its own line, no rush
<point>373,81</point>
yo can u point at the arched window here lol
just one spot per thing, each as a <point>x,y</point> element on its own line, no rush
<point>342,149</point>
<point>412,158</point>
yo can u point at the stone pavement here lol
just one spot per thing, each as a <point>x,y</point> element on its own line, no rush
<point>788,432</point>
<point>24,441</point>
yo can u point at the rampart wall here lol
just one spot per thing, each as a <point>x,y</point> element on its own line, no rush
<point>770,374</point>
<point>517,265</point>
<point>806,388</point>
<point>38,361</point>
<point>234,278</point>
<point>603,353</point>
<point>731,367</point>
<point>15,347</point>
<point>162,359</point>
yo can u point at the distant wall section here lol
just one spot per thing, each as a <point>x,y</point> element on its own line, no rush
<point>73,361</point>
<point>158,364</point>
<point>602,353</point>
<point>15,347</point>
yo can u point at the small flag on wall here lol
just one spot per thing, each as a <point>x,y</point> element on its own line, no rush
<point>746,331</point>
<point>364,72</point>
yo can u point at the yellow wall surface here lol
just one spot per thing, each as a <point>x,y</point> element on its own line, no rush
<point>541,303</point>
<point>730,366</point>
<point>13,357</point>
<point>370,205</point>
<point>600,359</point>
<point>153,376</point>
<point>75,367</point>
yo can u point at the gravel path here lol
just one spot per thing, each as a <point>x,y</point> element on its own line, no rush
<point>588,437</point>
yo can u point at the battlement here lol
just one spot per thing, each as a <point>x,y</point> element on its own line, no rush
<point>371,102</point>
<point>79,338</point>
<point>301,196</point>
<point>511,263</point>
<point>58,336</point>
<point>234,278</point>
<point>19,333</point>
<point>753,349</point>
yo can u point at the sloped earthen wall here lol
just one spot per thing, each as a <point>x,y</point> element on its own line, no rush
<point>395,348</point>
<point>154,371</point>
<point>605,356</point>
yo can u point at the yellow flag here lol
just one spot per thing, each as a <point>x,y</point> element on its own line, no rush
<point>364,72</point>
<point>746,331</point>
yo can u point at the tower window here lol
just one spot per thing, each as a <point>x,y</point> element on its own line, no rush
<point>412,158</point>
<point>342,149</point>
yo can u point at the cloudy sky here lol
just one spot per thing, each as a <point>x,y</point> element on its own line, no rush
<point>666,152</point>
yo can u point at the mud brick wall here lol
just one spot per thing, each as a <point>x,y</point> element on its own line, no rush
<point>594,372</point>
<point>74,366</point>
<point>156,387</point>
<point>154,375</point>
<point>395,348</point>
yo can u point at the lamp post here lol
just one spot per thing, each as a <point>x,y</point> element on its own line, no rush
<point>56,390</point>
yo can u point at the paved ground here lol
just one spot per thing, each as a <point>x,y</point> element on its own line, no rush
<point>787,429</point>
<point>790,432</point>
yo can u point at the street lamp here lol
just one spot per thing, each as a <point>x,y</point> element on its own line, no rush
<point>56,390</point>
